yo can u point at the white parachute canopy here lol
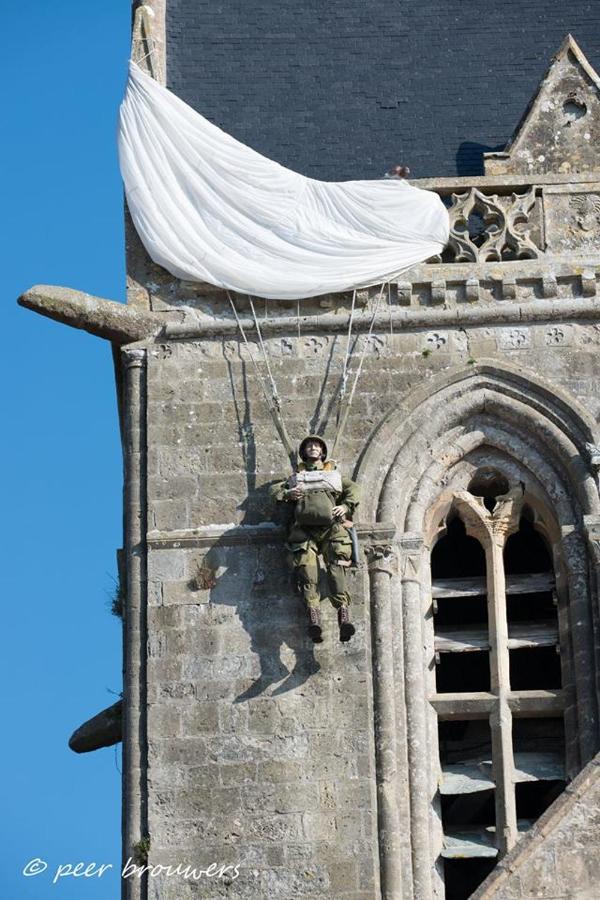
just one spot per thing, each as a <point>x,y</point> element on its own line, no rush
<point>207,208</point>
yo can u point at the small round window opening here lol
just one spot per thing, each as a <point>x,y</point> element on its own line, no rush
<point>574,109</point>
<point>488,483</point>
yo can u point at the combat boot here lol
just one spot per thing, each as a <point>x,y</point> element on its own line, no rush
<point>346,627</point>
<point>314,628</point>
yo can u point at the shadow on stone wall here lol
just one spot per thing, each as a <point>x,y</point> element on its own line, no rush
<point>469,157</point>
<point>245,571</point>
<point>253,577</point>
<point>324,411</point>
<point>244,426</point>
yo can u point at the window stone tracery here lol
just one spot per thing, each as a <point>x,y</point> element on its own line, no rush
<point>482,795</point>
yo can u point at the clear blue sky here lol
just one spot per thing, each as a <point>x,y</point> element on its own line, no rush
<point>64,71</point>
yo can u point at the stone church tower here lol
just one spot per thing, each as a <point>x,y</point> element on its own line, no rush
<point>449,750</point>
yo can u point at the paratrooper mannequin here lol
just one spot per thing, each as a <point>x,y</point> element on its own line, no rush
<point>324,505</point>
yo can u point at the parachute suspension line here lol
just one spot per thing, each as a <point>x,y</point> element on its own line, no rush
<point>276,402</point>
<point>389,293</point>
<point>273,402</point>
<point>344,416</point>
<point>345,371</point>
<point>263,349</point>
<point>250,354</point>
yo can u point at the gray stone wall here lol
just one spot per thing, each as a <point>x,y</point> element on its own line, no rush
<point>213,448</point>
<point>261,745</point>
<point>260,748</point>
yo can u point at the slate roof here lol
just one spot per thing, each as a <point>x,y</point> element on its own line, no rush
<point>343,89</point>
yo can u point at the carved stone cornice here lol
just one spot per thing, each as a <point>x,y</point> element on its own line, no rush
<point>505,313</point>
<point>230,534</point>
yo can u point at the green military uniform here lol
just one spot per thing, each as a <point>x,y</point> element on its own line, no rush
<point>314,532</point>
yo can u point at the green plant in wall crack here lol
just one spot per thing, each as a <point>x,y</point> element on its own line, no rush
<point>117,599</point>
<point>141,849</point>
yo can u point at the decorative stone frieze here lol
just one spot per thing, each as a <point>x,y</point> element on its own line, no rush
<point>572,218</point>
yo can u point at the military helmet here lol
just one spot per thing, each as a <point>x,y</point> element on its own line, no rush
<point>313,437</point>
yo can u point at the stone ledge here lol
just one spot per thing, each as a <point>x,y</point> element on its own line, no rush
<point>497,183</point>
<point>263,533</point>
<point>542,310</point>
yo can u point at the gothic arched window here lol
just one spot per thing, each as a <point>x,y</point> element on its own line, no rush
<point>496,678</point>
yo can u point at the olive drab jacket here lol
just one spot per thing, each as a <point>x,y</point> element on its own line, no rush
<point>313,511</point>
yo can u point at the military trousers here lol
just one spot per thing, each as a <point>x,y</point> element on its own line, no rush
<point>334,546</point>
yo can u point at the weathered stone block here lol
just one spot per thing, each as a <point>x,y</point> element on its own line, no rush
<point>163,721</point>
<point>199,717</point>
<point>167,565</point>
<point>168,515</point>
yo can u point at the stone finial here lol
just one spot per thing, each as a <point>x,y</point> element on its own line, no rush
<point>560,132</point>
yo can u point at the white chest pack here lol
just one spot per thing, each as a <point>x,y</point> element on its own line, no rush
<point>317,480</point>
